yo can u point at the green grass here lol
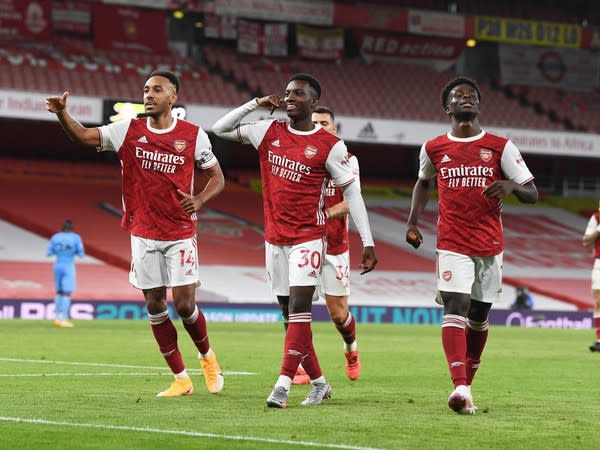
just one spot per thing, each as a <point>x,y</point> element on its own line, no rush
<point>537,388</point>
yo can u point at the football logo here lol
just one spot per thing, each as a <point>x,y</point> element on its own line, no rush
<point>485,154</point>
<point>179,145</point>
<point>447,275</point>
<point>310,151</point>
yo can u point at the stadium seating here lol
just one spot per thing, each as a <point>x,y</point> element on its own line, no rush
<point>352,87</point>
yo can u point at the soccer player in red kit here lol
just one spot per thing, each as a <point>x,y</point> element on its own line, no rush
<point>591,238</point>
<point>475,170</point>
<point>297,160</point>
<point>158,157</point>
<point>335,282</point>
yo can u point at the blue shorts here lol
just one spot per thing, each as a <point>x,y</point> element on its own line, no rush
<point>64,277</point>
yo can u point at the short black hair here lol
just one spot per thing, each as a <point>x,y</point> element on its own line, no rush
<point>455,82</point>
<point>169,76</point>
<point>312,82</point>
<point>324,110</point>
<point>67,225</point>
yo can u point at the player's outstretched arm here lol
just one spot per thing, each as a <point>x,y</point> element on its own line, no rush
<point>74,129</point>
<point>230,127</point>
<point>420,197</point>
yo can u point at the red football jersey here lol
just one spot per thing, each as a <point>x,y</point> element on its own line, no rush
<point>337,229</point>
<point>295,169</point>
<point>154,164</point>
<point>470,223</point>
<point>592,225</point>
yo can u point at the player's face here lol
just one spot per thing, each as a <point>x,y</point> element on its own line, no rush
<point>324,119</point>
<point>299,99</point>
<point>463,102</point>
<point>159,96</point>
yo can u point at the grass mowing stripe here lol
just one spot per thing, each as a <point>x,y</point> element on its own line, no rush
<point>99,374</point>
<point>182,433</point>
<point>121,366</point>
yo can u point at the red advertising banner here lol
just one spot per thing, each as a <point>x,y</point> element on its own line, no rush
<point>372,17</point>
<point>24,19</point>
<point>439,53</point>
<point>319,43</point>
<point>125,28</point>
<point>72,17</point>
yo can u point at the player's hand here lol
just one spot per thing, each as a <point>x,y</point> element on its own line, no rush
<point>189,203</point>
<point>499,189</point>
<point>369,260</point>
<point>270,101</point>
<point>413,236</point>
<point>56,104</point>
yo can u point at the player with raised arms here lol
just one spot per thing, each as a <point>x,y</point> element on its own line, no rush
<point>297,159</point>
<point>159,155</point>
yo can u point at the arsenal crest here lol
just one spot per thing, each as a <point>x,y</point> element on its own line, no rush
<point>485,154</point>
<point>179,145</point>
<point>310,151</point>
<point>447,275</point>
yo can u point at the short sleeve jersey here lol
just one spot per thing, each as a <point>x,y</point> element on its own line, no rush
<point>295,168</point>
<point>468,222</point>
<point>592,225</point>
<point>337,228</point>
<point>154,164</point>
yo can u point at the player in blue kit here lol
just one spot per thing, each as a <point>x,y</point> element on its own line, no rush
<point>65,245</point>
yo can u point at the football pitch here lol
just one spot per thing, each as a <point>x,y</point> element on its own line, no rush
<point>94,387</point>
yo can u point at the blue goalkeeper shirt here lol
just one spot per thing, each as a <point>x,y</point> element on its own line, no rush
<point>65,245</point>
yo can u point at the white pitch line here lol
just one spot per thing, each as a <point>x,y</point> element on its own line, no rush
<point>183,433</point>
<point>99,374</point>
<point>120,366</point>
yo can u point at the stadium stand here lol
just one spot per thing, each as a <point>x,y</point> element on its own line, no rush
<point>230,230</point>
<point>390,91</point>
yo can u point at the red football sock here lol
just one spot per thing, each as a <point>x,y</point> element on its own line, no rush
<point>455,346</point>
<point>196,328</point>
<point>476,334</point>
<point>311,363</point>
<point>348,329</point>
<point>597,326</point>
<point>297,343</point>
<point>166,336</point>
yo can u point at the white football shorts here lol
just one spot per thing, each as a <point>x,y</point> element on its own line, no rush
<point>335,279</point>
<point>596,275</point>
<point>163,263</point>
<point>479,276</point>
<point>294,265</point>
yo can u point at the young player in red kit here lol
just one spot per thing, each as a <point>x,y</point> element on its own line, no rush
<point>158,157</point>
<point>591,238</point>
<point>297,160</point>
<point>475,170</point>
<point>335,278</point>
